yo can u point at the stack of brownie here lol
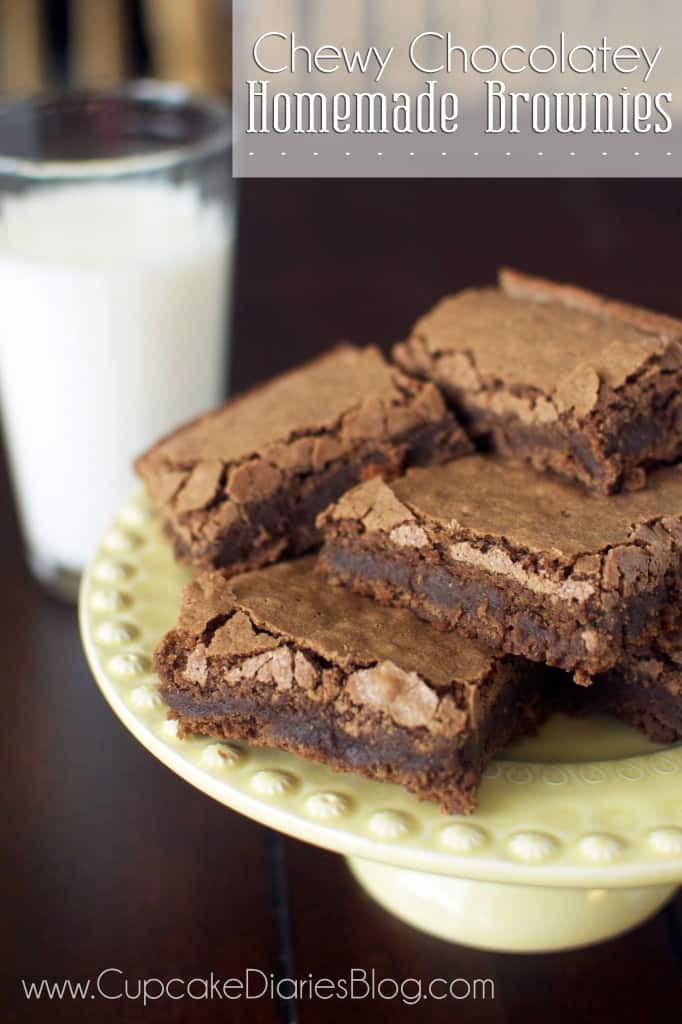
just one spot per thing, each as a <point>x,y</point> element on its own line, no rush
<point>496,510</point>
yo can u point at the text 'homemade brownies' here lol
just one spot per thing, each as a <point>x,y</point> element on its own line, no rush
<point>558,376</point>
<point>278,658</point>
<point>242,485</point>
<point>522,563</point>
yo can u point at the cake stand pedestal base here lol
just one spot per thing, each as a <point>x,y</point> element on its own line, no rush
<point>507,918</point>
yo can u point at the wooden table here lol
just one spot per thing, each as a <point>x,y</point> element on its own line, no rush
<point>110,861</point>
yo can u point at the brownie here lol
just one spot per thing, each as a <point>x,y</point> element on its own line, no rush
<point>557,376</point>
<point>241,486</point>
<point>522,562</point>
<point>645,691</point>
<point>278,658</point>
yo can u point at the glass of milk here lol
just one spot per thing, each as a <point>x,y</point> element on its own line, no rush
<point>116,237</point>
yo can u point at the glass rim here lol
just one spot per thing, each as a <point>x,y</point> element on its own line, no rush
<point>217,138</point>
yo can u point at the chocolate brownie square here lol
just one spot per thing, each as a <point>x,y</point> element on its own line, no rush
<point>278,658</point>
<point>242,485</point>
<point>520,561</point>
<point>558,376</point>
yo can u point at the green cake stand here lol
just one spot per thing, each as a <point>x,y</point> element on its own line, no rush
<point>578,835</point>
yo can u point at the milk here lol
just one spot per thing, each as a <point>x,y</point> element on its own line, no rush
<point>112,332</point>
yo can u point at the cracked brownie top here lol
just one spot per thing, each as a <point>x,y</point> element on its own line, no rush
<point>527,344</point>
<point>485,507</point>
<point>296,442</point>
<point>301,419</point>
<point>284,626</point>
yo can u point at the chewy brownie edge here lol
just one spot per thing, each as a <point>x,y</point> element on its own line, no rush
<point>557,376</point>
<point>241,486</point>
<point>645,691</point>
<point>521,563</point>
<point>276,658</point>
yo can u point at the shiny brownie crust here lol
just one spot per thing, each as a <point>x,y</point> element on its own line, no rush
<point>521,563</point>
<point>603,409</point>
<point>241,486</point>
<point>279,659</point>
<point>501,617</point>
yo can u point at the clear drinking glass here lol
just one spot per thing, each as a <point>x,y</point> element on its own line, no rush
<point>116,237</point>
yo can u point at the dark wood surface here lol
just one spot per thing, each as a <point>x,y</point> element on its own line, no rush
<point>110,861</point>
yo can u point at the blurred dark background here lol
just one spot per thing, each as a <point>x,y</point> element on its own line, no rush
<point>325,259</point>
<point>45,43</point>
